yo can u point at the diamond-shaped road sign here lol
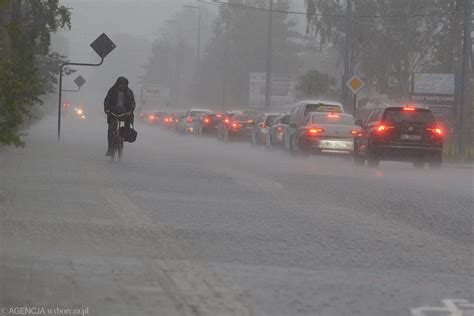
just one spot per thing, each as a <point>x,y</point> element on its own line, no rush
<point>103,45</point>
<point>79,81</point>
<point>355,84</point>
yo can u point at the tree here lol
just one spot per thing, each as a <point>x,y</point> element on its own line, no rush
<point>27,67</point>
<point>315,84</point>
<point>247,50</point>
<point>392,39</point>
<point>162,66</point>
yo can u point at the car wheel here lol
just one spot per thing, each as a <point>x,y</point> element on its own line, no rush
<point>295,147</point>
<point>358,159</point>
<point>373,159</point>
<point>253,139</point>
<point>268,141</point>
<point>436,161</point>
<point>419,163</point>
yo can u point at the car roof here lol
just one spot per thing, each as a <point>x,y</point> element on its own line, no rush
<point>327,113</point>
<point>416,106</point>
<point>201,110</point>
<point>317,101</point>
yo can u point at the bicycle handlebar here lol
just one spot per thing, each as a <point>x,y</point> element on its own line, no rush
<point>118,115</point>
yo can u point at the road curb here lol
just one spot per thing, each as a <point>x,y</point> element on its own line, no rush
<point>458,166</point>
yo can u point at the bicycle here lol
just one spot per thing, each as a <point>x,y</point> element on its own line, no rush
<point>117,140</point>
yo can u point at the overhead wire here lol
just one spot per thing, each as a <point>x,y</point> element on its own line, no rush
<point>243,6</point>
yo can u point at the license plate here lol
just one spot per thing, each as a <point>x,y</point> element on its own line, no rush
<point>411,137</point>
<point>336,145</point>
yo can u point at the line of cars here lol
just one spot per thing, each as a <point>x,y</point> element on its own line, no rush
<point>390,133</point>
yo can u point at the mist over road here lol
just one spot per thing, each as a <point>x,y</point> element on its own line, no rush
<point>191,226</point>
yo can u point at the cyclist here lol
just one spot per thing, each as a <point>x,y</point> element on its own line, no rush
<point>119,100</point>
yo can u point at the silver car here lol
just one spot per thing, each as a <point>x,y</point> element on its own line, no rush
<point>327,133</point>
<point>188,123</point>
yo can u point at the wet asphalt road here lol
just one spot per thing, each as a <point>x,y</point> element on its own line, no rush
<point>190,226</point>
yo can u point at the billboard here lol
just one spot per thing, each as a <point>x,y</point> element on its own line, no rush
<point>155,96</point>
<point>426,83</point>
<point>156,91</point>
<point>282,90</point>
<point>436,91</point>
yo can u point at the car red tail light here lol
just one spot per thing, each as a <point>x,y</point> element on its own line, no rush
<point>151,117</point>
<point>206,120</point>
<point>189,120</point>
<point>332,115</point>
<point>315,131</point>
<point>236,125</point>
<point>409,108</point>
<point>280,129</point>
<point>436,131</point>
<point>384,128</point>
<point>355,133</point>
<point>226,120</point>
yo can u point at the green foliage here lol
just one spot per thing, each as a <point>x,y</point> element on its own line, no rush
<point>27,67</point>
<point>392,39</point>
<point>316,84</point>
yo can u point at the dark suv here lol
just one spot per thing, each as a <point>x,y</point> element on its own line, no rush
<point>399,133</point>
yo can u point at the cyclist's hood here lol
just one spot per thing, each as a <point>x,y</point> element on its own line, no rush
<point>122,80</point>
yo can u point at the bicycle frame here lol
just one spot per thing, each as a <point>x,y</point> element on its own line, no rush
<point>118,139</point>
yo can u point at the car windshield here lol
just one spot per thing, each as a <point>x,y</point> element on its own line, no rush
<point>399,115</point>
<point>332,119</point>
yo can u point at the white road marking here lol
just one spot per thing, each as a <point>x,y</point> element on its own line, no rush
<point>452,307</point>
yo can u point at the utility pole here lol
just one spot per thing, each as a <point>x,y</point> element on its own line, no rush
<point>465,77</point>
<point>226,55</point>
<point>269,70</point>
<point>347,55</point>
<point>178,59</point>
<point>198,49</point>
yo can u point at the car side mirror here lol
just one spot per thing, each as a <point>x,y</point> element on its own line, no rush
<point>359,123</point>
<point>292,125</point>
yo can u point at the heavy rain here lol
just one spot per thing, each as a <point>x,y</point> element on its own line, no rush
<point>236,157</point>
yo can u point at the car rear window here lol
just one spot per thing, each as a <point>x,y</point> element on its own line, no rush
<point>244,118</point>
<point>285,119</point>
<point>399,115</point>
<point>332,119</point>
<point>270,119</point>
<point>321,107</point>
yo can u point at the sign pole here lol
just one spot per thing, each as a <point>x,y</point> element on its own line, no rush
<point>103,45</point>
<point>61,88</point>
<point>355,104</point>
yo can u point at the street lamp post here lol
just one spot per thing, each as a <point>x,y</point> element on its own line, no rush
<point>269,70</point>
<point>226,56</point>
<point>178,59</point>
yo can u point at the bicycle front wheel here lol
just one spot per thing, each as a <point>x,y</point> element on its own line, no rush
<point>120,151</point>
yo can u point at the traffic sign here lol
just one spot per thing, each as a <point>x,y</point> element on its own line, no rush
<point>103,45</point>
<point>355,84</point>
<point>79,81</point>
